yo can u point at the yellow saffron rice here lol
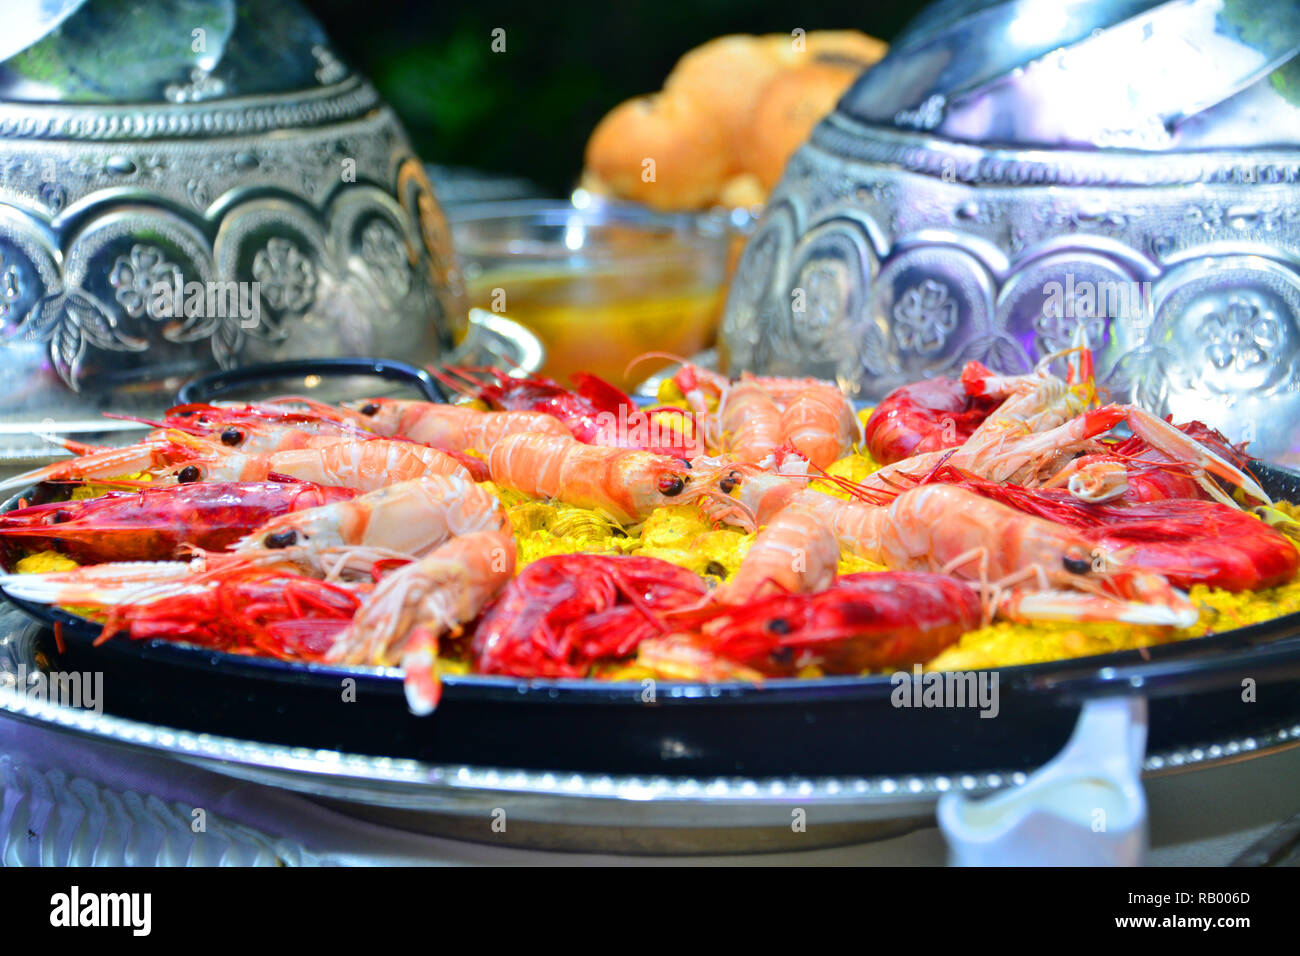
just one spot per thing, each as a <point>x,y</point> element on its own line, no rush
<point>682,535</point>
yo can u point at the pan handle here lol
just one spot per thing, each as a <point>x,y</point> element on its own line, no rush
<point>212,387</point>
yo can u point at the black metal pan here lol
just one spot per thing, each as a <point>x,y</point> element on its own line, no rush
<point>351,376</point>
<point>1199,690</point>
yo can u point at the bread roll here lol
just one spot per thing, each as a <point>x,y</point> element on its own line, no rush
<point>689,154</point>
<point>732,112</point>
<point>723,79</point>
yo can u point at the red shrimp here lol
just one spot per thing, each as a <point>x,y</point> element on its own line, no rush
<point>1188,541</point>
<point>928,415</point>
<point>236,608</point>
<point>157,523</point>
<point>566,613</point>
<point>862,622</point>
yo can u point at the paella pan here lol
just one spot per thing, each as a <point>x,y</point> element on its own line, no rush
<point>635,635</point>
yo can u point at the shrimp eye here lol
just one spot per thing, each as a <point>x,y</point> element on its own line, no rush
<point>715,569</point>
<point>187,474</point>
<point>369,408</point>
<point>778,625</point>
<point>59,517</point>
<point>672,485</point>
<point>232,436</point>
<point>281,539</point>
<point>729,483</point>
<point>782,655</point>
<point>1076,565</point>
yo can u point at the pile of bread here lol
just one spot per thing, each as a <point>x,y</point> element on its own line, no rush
<point>729,116</point>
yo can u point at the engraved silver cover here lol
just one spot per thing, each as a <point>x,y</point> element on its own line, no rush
<point>213,143</point>
<point>1012,170</point>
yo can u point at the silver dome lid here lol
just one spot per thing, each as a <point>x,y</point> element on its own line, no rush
<point>1016,172</point>
<point>192,185</point>
<point>165,51</point>
<point>1129,74</point>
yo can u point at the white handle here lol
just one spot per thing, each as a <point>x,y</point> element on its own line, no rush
<point>1085,807</point>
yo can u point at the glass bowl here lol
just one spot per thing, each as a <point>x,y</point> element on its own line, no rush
<point>600,283</point>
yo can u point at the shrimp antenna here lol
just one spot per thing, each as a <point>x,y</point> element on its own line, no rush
<point>455,378</point>
<point>646,356</point>
<point>1034,502</point>
<point>136,418</point>
<point>1175,467</point>
<point>77,448</point>
<point>323,409</point>
<point>177,426</point>
<point>855,488</point>
<point>942,466</point>
<point>128,483</point>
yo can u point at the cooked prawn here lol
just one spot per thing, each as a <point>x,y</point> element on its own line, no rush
<point>412,607</point>
<point>749,421</point>
<point>403,520</point>
<point>819,423</point>
<point>258,428</point>
<point>797,551</point>
<point>360,465</point>
<point>454,427</point>
<point>949,529</point>
<point>1051,452</point>
<point>1031,454</point>
<point>240,609</point>
<point>752,417</point>
<point>1188,541</point>
<point>158,521</point>
<point>869,621</point>
<point>624,484</point>
<point>152,454</point>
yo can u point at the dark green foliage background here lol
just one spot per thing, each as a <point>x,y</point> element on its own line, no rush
<point>528,111</point>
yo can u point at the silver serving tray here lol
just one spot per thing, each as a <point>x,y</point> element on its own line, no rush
<point>561,810</point>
